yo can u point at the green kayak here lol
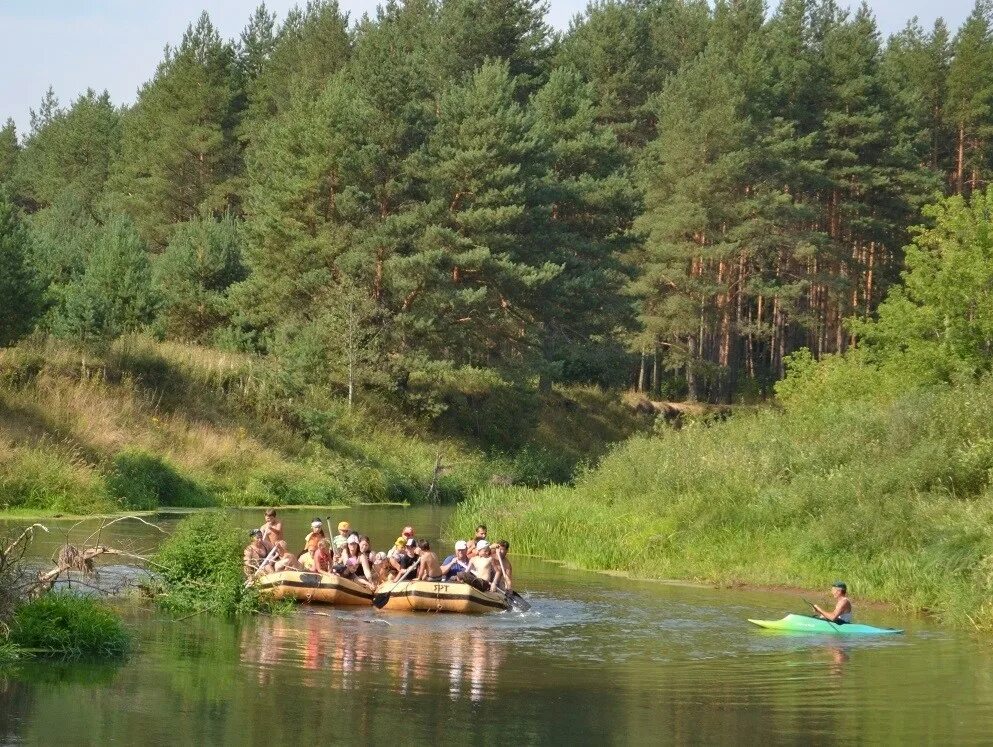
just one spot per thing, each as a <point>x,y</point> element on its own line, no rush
<point>808,624</point>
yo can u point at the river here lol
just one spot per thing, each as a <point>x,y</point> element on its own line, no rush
<point>598,658</point>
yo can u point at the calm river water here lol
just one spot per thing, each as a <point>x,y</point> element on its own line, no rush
<point>598,659</point>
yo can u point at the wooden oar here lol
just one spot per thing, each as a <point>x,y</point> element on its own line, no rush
<point>381,600</point>
<point>515,600</point>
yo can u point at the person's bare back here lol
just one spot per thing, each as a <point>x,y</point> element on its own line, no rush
<point>430,568</point>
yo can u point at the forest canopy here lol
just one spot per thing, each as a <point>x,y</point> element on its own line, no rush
<point>672,194</point>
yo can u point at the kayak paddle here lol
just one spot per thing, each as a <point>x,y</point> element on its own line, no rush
<point>819,615</point>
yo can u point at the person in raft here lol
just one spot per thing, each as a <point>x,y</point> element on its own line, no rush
<point>430,568</point>
<point>457,563</point>
<point>255,554</point>
<point>403,560</point>
<point>480,537</point>
<point>272,530</point>
<point>406,534</point>
<point>323,559</point>
<point>287,560</point>
<point>842,605</point>
<point>353,564</point>
<point>344,532</point>
<point>310,543</point>
<point>481,574</point>
<point>502,563</point>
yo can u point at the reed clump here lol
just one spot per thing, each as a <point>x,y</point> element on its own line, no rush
<point>67,626</point>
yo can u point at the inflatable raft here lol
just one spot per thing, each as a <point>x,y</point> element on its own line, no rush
<point>323,588</point>
<point>430,596</point>
<point>807,624</point>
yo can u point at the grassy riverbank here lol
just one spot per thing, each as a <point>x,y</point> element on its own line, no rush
<point>891,494</point>
<point>140,425</point>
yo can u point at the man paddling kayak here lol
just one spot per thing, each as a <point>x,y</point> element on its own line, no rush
<point>843,606</point>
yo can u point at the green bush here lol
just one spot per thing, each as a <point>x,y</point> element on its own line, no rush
<point>201,567</point>
<point>67,625</point>
<point>142,482</point>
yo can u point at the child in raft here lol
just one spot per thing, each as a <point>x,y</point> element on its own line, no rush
<point>310,543</point>
<point>353,564</point>
<point>429,568</point>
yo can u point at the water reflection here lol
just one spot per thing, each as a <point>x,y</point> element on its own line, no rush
<point>335,651</point>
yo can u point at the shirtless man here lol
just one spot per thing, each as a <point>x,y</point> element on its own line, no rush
<point>272,530</point>
<point>430,568</point>
<point>843,606</point>
<point>503,565</point>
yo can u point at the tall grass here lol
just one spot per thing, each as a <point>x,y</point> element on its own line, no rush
<point>893,495</point>
<point>69,626</point>
<point>142,424</point>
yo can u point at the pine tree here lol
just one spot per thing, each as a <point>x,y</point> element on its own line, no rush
<point>915,66</point>
<point>467,293</point>
<point>10,149</point>
<point>513,31</point>
<point>191,278</point>
<point>689,175</point>
<point>592,205</point>
<point>309,48</point>
<point>114,294</point>
<point>69,151</point>
<point>20,291</point>
<point>179,156</point>
<point>311,176</point>
<point>969,106</point>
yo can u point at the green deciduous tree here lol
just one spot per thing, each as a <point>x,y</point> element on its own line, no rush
<point>939,322</point>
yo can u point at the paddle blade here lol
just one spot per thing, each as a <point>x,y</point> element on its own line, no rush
<point>517,602</point>
<point>381,600</point>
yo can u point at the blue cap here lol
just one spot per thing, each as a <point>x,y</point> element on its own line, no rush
<point>840,585</point>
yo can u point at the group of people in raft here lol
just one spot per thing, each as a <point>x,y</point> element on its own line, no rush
<point>348,554</point>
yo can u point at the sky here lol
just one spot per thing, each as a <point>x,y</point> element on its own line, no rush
<point>116,44</point>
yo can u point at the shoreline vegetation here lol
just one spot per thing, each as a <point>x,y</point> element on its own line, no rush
<point>893,496</point>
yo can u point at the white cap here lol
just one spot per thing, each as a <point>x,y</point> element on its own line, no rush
<point>316,524</point>
<point>411,542</point>
<point>380,557</point>
<point>353,539</point>
<point>461,545</point>
<point>482,545</point>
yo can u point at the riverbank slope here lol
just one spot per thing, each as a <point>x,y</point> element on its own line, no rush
<point>891,495</point>
<point>143,424</point>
